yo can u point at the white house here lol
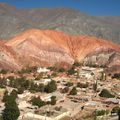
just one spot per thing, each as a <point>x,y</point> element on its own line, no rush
<point>42,70</point>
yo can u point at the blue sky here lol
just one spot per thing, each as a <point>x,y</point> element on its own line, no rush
<point>92,7</point>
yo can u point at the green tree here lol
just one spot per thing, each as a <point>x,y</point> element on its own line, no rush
<point>21,90</point>
<point>100,112</point>
<point>77,64</point>
<point>82,85</point>
<point>73,91</point>
<point>41,87</point>
<point>51,87</point>
<point>71,71</point>
<point>69,84</point>
<point>5,97</point>
<point>11,111</point>
<point>105,93</point>
<point>95,86</point>
<point>37,102</point>
<point>53,100</point>
<point>54,74</point>
<point>65,90</point>
<point>3,82</point>
<point>3,71</point>
<point>61,70</point>
<point>116,75</point>
<point>115,109</point>
<point>14,94</point>
<point>118,114</point>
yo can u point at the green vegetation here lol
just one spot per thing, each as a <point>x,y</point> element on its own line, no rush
<point>1,118</point>
<point>82,85</point>
<point>3,71</point>
<point>5,97</point>
<point>65,90</point>
<point>53,100</point>
<point>19,82</point>
<point>61,70</point>
<point>52,68</point>
<point>22,84</point>
<point>73,91</point>
<point>54,74</point>
<point>36,88</point>
<point>3,82</point>
<point>36,101</point>
<point>28,70</point>
<point>11,97</point>
<point>50,87</point>
<point>119,114</point>
<point>95,86</point>
<point>14,94</point>
<point>11,111</point>
<point>71,71</point>
<point>105,93</point>
<point>69,84</point>
<point>115,110</point>
<point>77,64</point>
<point>40,76</point>
<point>101,112</point>
<point>116,75</point>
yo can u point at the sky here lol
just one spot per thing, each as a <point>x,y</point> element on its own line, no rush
<point>92,7</point>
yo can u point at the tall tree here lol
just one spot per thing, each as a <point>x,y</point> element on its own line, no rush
<point>11,111</point>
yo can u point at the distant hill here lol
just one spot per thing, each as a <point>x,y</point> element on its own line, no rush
<point>14,21</point>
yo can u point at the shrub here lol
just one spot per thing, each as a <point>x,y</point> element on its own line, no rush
<point>65,90</point>
<point>105,93</point>
<point>115,109</point>
<point>37,102</point>
<point>100,112</point>
<point>69,84</point>
<point>3,71</point>
<point>77,64</point>
<point>73,91</point>
<point>82,85</point>
<point>71,71</point>
<point>51,87</point>
<point>61,70</point>
<point>54,74</point>
<point>95,86</point>
<point>116,75</point>
<point>53,100</point>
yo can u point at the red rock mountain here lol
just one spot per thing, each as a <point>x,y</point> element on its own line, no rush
<point>48,47</point>
<point>8,57</point>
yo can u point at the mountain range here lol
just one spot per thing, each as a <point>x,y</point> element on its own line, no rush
<point>73,22</point>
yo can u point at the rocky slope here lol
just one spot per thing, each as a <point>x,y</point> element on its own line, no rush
<point>49,47</point>
<point>8,58</point>
<point>14,21</point>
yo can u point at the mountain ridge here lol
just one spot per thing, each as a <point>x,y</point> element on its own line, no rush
<point>36,47</point>
<point>73,22</point>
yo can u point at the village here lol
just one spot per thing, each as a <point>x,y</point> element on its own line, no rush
<point>81,93</point>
